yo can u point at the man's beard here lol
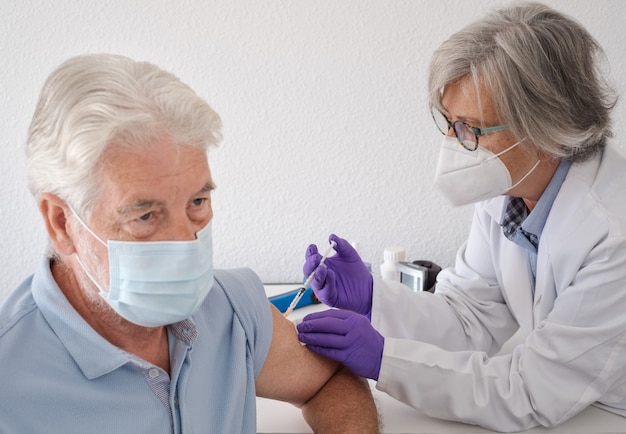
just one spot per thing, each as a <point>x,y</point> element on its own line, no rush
<point>90,290</point>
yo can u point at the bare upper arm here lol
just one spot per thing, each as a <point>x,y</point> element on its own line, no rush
<point>291,372</point>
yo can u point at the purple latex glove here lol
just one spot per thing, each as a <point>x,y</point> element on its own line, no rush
<point>346,337</point>
<point>343,280</point>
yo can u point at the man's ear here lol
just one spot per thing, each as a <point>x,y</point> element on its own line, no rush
<point>55,214</point>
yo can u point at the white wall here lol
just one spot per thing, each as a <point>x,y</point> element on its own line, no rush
<point>323,103</point>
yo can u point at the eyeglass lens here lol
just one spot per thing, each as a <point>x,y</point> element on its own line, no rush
<point>463,132</point>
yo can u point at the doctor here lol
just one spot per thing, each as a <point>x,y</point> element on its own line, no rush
<point>525,118</point>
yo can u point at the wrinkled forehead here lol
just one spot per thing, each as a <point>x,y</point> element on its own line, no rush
<point>153,170</point>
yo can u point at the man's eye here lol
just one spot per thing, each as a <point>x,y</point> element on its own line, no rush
<point>199,201</point>
<point>145,217</point>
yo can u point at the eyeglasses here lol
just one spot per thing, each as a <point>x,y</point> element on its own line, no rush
<point>465,134</point>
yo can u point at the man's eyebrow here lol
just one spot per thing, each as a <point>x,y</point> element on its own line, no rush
<point>142,204</point>
<point>139,205</point>
<point>209,186</point>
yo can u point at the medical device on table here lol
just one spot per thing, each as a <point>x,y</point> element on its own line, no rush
<point>418,275</point>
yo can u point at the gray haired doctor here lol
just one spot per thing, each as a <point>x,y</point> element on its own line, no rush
<point>524,114</point>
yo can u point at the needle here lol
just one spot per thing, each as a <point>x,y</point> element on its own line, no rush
<point>308,281</point>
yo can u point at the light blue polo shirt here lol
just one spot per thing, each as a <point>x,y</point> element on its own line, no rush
<point>57,375</point>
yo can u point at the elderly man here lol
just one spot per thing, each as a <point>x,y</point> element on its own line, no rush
<point>125,327</point>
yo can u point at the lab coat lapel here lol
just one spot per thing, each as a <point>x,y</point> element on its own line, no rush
<point>554,272</point>
<point>545,282</point>
<point>545,290</point>
<point>516,284</point>
<point>513,271</point>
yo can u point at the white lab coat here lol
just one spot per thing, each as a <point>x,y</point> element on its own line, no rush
<point>439,353</point>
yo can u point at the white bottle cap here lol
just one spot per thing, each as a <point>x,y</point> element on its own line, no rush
<point>394,254</point>
<point>391,256</point>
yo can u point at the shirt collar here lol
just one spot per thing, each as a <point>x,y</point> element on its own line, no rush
<point>537,218</point>
<point>533,223</point>
<point>94,355</point>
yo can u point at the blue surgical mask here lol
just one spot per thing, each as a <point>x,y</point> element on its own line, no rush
<point>154,283</point>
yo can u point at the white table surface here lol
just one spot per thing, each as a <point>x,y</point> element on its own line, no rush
<point>280,417</point>
<point>396,418</point>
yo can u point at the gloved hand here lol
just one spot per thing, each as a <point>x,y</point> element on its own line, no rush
<point>346,337</point>
<point>343,280</point>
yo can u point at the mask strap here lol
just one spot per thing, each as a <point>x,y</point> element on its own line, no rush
<point>78,257</point>
<point>88,273</point>
<point>525,176</point>
<point>83,224</point>
<point>506,150</point>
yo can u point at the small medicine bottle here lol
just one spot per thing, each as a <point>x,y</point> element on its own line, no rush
<point>391,256</point>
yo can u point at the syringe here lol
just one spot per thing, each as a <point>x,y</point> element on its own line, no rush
<point>308,281</point>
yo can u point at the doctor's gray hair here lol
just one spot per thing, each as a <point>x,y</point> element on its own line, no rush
<point>92,102</point>
<point>541,69</point>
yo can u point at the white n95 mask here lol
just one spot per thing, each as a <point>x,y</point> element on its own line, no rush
<point>154,283</point>
<point>465,177</point>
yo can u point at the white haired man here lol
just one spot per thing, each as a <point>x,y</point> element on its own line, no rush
<point>125,327</point>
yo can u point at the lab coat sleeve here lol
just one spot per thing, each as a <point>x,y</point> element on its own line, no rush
<point>398,312</point>
<point>466,312</point>
<point>573,357</point>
